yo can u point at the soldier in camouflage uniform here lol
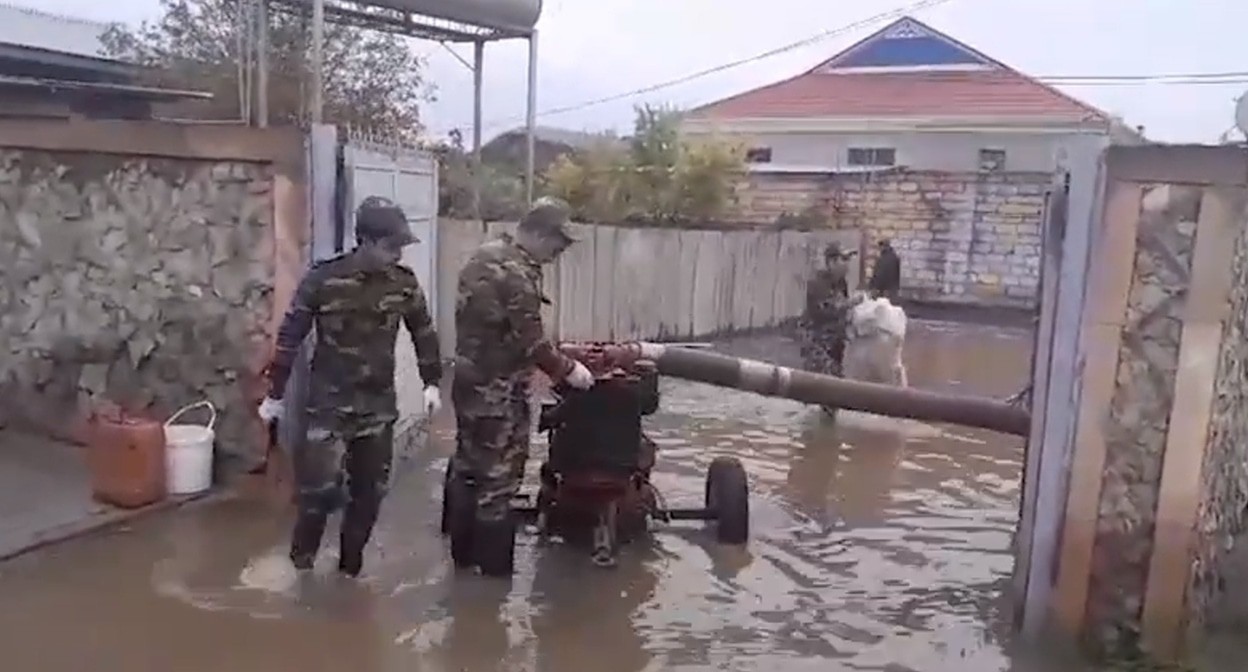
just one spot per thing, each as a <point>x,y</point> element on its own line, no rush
<point>356,301</point>
<point>499,339</point>
<point>826,318</point>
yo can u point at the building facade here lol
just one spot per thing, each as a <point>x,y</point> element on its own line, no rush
<point>916,137</point>
<point>54,66</point>
<point>906,96</point>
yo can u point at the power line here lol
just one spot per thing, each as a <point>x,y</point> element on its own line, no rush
<point>1208,78</point>
<point>817,37</point>
<point>1144,81</point>
<point>1147,78</point>
<point>1189,79</point>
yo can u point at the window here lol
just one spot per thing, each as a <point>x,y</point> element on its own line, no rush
<point>991,160</point>
<point>758,155</point>
<point>872,156</point>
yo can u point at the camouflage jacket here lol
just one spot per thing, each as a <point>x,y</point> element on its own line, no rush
<point>498,321</point>
<point>827,299</point>
<point>356,312</point>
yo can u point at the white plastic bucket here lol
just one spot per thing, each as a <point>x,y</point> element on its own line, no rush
<point>188,453</point>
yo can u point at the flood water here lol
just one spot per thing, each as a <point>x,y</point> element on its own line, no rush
<point>877,544</point>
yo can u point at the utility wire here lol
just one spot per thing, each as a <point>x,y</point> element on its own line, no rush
<point>1189,79</point>
<point>806,41</point>
<point>1234,77</point>
<point>1139,82</point>
<point>1149,78</point>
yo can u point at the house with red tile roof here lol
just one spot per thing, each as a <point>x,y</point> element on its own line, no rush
<point>906,96</point>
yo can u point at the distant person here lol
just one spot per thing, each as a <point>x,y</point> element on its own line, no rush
<point>886,278</point>
<point>825,318</point>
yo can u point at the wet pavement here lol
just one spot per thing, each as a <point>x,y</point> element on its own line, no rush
<point>877,544</point>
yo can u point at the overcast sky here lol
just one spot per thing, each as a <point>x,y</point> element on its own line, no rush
<point>591,49</point>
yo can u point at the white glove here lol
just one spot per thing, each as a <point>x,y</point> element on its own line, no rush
<point>433,400</point>
<point>272,409</point>
<point>579,377</point>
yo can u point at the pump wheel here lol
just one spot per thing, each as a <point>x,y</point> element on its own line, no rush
<point>728,497</point>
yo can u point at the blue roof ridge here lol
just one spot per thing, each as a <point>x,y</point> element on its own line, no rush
<point>936,33</point>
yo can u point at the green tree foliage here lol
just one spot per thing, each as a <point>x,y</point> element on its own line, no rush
<point>502,189</point>
<point>657,175</point>
<point>373,81</point>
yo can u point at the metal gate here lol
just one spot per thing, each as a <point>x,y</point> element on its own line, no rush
<point>406,176</point>
<point>341,174</point>
<point>409,177</point>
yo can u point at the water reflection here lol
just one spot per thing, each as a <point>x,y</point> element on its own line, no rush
<point>839,473</point>
<point>583,616</point>
<point>476,635</point>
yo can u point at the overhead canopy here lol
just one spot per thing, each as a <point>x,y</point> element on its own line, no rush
<point>121,90</point>
<point>503,17</point>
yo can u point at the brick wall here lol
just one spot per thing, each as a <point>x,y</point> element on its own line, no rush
<point>963,237</point>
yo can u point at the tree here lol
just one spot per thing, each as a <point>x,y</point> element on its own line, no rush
<point>598,183</point>
<point>706,176</point>
<point>656,151</point>
<point>657,176</point>
<point>373,81</point>
<point>502,188</point>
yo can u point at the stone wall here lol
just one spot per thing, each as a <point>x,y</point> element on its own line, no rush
<point>1139,413</point>
<point>1158,468</point>
<point>1224,476</point>
<point>143,280</point>
<point>971,238</point>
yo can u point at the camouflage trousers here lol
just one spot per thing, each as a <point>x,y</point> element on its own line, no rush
<point>341,465</point>
<point>823,351</point>
<point>492,449</point>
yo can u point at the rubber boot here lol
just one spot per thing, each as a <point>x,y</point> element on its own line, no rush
<point>494,546</point>
<point>306,539</point>
<point>351,552</point>
<point>461,523</point>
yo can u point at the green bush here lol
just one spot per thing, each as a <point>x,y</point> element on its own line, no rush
<point>657,176</point>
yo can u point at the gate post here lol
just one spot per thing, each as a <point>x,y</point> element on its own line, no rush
<point>322,168</point>
<point>1066,248</point>
<point>1158,475</point>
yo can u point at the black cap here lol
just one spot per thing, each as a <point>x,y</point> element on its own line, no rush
<point>380,219</point>
<point>549,217</point>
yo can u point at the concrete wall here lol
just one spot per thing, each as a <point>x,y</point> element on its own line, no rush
<point>140,263</point>
<point>966,237</point>
<point>622,283</point>
<point>938,151</point>
<point>1158,479</point>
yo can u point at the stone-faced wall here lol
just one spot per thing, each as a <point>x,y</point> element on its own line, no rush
<point>1158,463</point>
<point>970,238</point>
<point>1224,477</point>
<point>1139,413</point>
<point>144,281</point>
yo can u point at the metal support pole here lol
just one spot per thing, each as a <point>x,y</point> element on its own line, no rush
<point>318,62</point>
<point>262,63</point>
<point>478,61</point>
<point>530,122</point>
